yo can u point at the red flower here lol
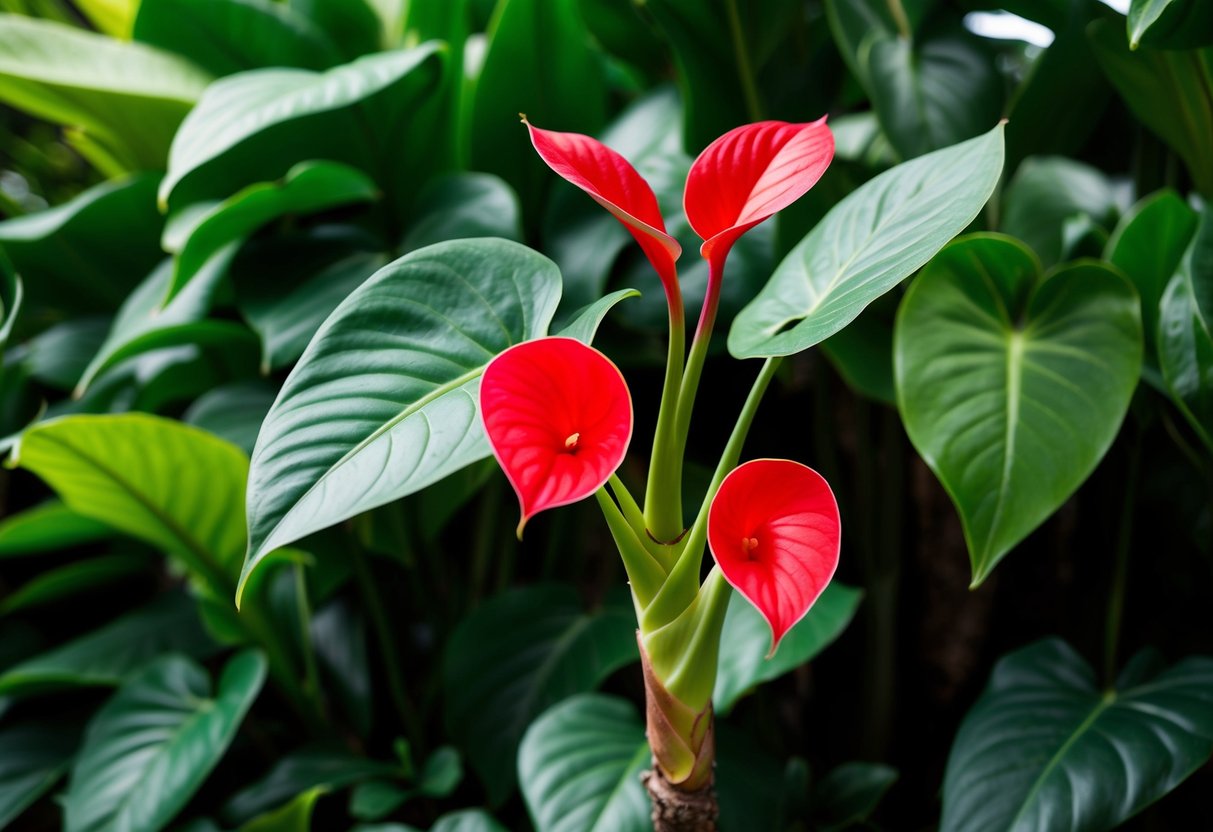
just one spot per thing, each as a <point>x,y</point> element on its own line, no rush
<point>559,418</point>
<point>773,528</point>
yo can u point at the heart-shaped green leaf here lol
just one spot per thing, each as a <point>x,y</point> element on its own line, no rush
<point>867,244</point>
<point>1046,749</point>
<point>1012,390</point>
<point>580,763</point>
<point>152,745</point>
<point>1185,332</point>
<point>747,637</point>
<point>128,98</point>
<point>1046,192</point>
<point>515,656</point>
<point>383,401</point>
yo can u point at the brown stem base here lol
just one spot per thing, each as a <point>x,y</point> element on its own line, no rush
<point>675,810</point>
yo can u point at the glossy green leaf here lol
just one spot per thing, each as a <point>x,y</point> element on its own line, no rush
<point>849,794</point>
<point>185,498</point>
<point>934,94</point>
<point>127,97</point>
<point>1047,191</point>
<point>150,747</point>
<point>1168,90</point>
<point>585,322</point>
<point>383,402</point>
<point>295,816</point>
<point>110,654</point>
<point>33,756</point>
<point>1046,749</point>
<point>866,245</point>
<point>353,25</point>
<point>439,777</point>
<point>458,206</point>
<point>113,17</point>
<point>46,528</point>
<point>226,36</point>
<point>1147,246</point>
<point>256,125</point>
<point>746,639</point>
<point>559,86</point>
<point>1011,389</point>
<point>515,656</point>
<point>233,412</point>
<point>1170,24</point>
<point>467,820</point>
<point>86,254</point>
<point>58,357</point>
<point>580,763</point>
<point>321,767</point>
<point>1185,332</point>
<point>862,353</point>
<point>72,579</point>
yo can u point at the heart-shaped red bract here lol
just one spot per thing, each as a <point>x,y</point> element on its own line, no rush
<point>612,181</point>
<point>750,173</point>
<point>559,418</point>
<point>774,531</point>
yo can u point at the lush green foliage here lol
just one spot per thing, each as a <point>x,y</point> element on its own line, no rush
<point>257,572</point>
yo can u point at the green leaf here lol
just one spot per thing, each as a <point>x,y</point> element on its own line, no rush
<point>127,98</point>
<point>862,353</point>
<point>1012,390</point>
<point>58,357</point>
<point>46,528</point>
<point>1170,24</point>
<point>113,17</point>
<point>355,27</point>
<point>295,816</point>
<point>440,776</point>
<point>1170,91</point>
<point>88,253</point>
<point>1148,245</point>
<point>1044,748</point>
<point>746,638</point>
<point>580,763</point>
<point>585,322</point>
<point>185,498</point>
<point>33,756</point>
<point>11,293</point>
<point>389,384</point>
<point>1185,332</point>
<point>256,125</point>
<point>321,767</point>
<point>151,746</point>
<point>226,36</point>
<point>107,656</point>
<point>866,245</point>
<point>462,205</point>
<point>1047,191</point>
<point>849,794</point>
<point>749,781</point>
<point>559,86</point>
<point>468,820</point>
<point>516,655</point>
<point>71,579</point>
<point>233,412</point>
<point>931,95</point>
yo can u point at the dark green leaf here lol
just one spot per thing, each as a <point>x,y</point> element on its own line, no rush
<point>580,763</point>
<point>226,36</point>
<point>1185,332</point>
<point>11,293</point>
<point>866,245</point>
<point>48,527</point>
<point>1170,24</point>
<point>862,353</point>
<point>849,793</point>
<point>439,777</point>
<point>1045,192</point>
<point>352,24</point>
<point>338,632</point>
<point>747,638</point>
<point>71,579</point>
<point>585,322</point>
<point>464,205</point>
<point>1046,749</point>
<point>59,356</point>
<point>33,756</point>
<point>749,782</point>
<point>152,745</point>
<point>468,820</point>
<point>515,656</point>
<point>390,382</point>
<point>295,816</point>
<point>233,412</point>
<point>1012,390</point>
<point>109,655</point>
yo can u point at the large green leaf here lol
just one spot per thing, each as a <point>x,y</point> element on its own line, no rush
<point>1170,24</point>
<point>128,98</point>
<point>176,487</point>
<point>254,126</point>
<point>866,245</point>
<point>1046,749</point>
<point>1170,91</point>
<point>383,402</point>
<point>580,763</point>
<point>109,655</point>
<point>47,527</point>
<point>1011,389</point>
<point>1047,191</point>
<point>233,411</point>
<point>517,655</point>
<point>88,253</point>
<point>152,745</point>
<point>226,36</point>
<point>747,637</point>
<point>464,205</point>
<point>1185,331</point>
<point>33,756</point>
<point>82,576</point>
<point>58,356</point>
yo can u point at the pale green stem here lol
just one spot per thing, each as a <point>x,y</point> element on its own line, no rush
<point>663,493</point>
